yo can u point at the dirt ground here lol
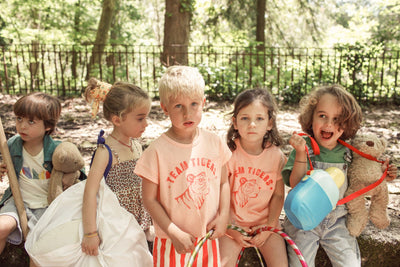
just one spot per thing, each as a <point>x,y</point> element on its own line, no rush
<point>77,126</point>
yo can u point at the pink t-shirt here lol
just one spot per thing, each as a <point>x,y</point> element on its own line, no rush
<point>252,180</point>
<point>188,178</point>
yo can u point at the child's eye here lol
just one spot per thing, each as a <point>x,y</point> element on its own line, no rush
<point>194,104</point>
<point>31,122</point>
<point>260,118</point>
<point>19,119</point>
<point>323,116</point>
<point>244,118</point>
<point>178,106</point>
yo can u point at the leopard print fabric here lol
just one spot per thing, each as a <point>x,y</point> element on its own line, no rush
<point>127,186</point>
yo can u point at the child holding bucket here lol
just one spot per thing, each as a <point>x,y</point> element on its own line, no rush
<point>327,114</point>
<point>254,171</point>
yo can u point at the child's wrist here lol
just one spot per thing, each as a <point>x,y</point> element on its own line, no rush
<point>91,234</point>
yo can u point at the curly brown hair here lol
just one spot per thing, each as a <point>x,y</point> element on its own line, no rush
<point>350,118</point>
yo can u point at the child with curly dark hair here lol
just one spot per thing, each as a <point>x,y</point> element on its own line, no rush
<point>327,114</point>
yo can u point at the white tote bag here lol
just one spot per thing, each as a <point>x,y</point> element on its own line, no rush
<point>56,238</point>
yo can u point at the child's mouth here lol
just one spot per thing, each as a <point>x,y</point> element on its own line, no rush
<point>326,135</point>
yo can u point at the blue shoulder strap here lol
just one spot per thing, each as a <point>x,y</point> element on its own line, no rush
<point>102,141</point>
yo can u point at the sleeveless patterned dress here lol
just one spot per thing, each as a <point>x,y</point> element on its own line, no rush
<point>127,186</point>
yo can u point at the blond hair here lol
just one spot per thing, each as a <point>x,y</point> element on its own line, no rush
<point>180,81</point>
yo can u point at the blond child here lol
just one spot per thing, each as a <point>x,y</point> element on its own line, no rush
<point>185,186</point>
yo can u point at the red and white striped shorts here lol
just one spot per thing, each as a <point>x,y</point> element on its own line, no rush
<point>165,255</point>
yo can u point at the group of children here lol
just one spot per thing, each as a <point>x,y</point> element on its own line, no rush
<point>189,182</point>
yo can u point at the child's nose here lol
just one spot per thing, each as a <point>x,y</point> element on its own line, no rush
<point>330,121</point>
<point>23,124</point>
<point>186,112</point>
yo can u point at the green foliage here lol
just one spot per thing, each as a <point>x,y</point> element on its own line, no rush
<point>368,71</point>
<point>50,21</point>
<point>354,68</point>
<point>2,39</point>
<point>387,30</point>
<point>187,6</point>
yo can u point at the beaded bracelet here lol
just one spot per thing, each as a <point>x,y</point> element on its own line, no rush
<point>92,234</point>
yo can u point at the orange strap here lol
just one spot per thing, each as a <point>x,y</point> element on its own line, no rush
<point>367,188</point>
<point>358,193</point>
<point>315,148</point>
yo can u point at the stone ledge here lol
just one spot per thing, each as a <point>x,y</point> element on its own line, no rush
<point>378,247</point>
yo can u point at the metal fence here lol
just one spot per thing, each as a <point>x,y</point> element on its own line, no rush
<point>288,72</point>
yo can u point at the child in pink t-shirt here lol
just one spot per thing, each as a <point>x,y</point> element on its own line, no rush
<point>254,171</point>
<point>185,185</point>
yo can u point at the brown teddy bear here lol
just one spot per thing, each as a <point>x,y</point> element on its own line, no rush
<point>67,163</point>
<point>361,173</point>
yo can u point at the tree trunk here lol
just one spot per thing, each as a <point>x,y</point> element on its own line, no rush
<point>77,22</point>
<point>115,23</point>
<point>102,34</point>
<point>176,32</point>
<point>260,29</point>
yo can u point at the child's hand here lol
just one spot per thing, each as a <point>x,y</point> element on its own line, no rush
<point>90,245</point>
<point>392,170</point>
<point>297,142</point>
<point>3,171</point>
<point>241,239</point>
<point>259,239</point>
<point>183,242</point>
<point>219,226</point>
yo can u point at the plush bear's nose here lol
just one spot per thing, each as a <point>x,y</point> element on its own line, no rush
<point>370,143</point>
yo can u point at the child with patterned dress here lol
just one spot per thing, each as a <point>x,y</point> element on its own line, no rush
<point>185,186</point>
<point>254,171</point>
<point>126,106</point>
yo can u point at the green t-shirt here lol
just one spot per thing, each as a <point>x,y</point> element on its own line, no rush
<point>337,155</point>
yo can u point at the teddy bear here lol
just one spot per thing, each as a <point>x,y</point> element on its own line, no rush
<point>67,163</point>
<point>361,173</point>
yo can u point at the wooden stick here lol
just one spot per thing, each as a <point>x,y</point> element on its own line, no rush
<point>13,181</point>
